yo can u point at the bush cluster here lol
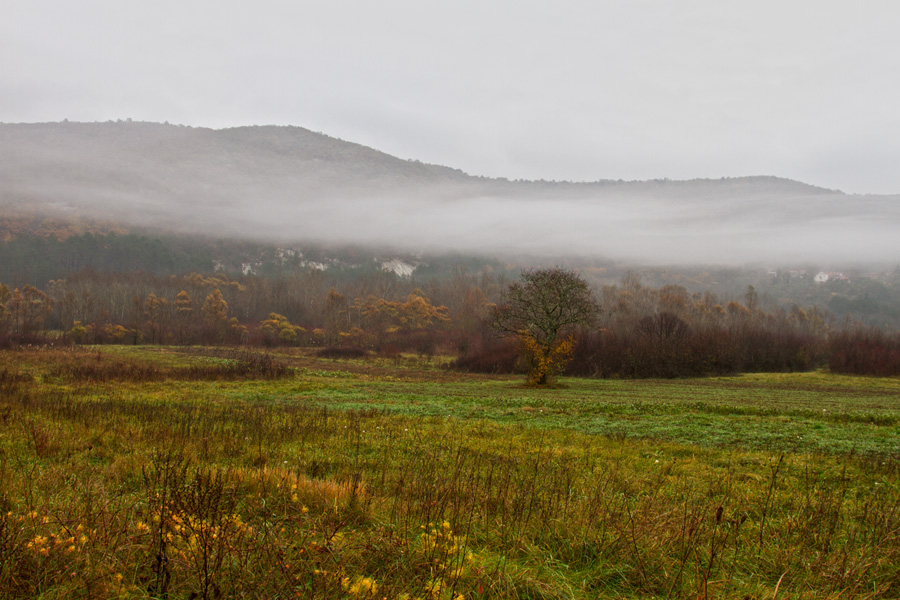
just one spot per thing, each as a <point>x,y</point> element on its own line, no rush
<point>865,351</point>
<point>667,333</point>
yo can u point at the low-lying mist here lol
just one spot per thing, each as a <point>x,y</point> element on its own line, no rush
<point>291,185</point>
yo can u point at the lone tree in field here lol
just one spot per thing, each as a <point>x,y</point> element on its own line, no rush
<point>542,310</point>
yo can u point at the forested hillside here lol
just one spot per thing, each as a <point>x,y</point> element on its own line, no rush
<point>288,185</point>
<point>37,250</point>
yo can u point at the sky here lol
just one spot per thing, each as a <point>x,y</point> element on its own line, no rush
<point>563,90</point>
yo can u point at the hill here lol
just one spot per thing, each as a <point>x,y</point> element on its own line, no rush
<point>291,184</point>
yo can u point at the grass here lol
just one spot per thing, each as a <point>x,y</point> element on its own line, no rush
<point>186,473</point>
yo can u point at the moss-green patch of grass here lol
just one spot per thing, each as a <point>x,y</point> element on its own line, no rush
<point>808,412</point>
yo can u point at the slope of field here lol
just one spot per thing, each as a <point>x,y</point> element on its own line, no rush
<point>159,472</point>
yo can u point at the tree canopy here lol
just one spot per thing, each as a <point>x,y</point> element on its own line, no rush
<point>540,308</point>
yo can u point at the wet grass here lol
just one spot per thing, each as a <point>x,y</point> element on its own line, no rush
<point>345,479</point>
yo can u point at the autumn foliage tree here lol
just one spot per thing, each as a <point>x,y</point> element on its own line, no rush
<point>336,317</point>
<point>277,330</point>
<point>542,310</point>
<point>29,309</point>
<point>5,296</point>
<point>413,320</point>
<point>155,312</point>
<point>215,316</point>
<point>184,312</point>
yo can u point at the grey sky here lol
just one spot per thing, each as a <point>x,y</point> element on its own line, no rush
<point>629,89</point>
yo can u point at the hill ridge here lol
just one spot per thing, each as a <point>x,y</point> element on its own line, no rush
<point>356,146</point>
<point>288,183</point>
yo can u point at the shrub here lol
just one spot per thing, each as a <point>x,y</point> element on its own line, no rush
<point>865,352</point>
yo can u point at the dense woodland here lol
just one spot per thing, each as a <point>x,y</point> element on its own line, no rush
<point>35,250</point>
<point>641,331</point>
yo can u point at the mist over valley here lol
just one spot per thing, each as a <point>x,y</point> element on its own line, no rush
<point>289,184</point>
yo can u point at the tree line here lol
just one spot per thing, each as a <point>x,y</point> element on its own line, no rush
<point>623,330</point>
<point>380,312</point>
<point>634,331</point>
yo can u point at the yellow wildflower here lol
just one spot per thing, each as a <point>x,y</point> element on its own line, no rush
<point>363,586</point>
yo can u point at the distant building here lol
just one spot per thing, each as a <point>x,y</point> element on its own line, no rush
<point>822,277</point>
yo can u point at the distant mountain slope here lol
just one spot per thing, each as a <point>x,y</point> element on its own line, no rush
<point>290,184</point>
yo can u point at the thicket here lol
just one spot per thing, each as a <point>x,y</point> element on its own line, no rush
<point>667,333</point>
<point>865,351</point>
<point>710,350</point>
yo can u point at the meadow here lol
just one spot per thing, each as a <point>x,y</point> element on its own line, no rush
<point>163,472</point>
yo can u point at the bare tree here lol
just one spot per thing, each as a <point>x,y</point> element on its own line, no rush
<point>665,329</point>
<point>540,309</point>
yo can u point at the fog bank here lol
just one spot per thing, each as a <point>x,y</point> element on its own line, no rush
<point>288,184</point>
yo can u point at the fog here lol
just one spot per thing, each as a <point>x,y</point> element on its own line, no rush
<point>291,185</point>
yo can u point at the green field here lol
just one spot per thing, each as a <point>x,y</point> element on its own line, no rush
<point>142,472</point>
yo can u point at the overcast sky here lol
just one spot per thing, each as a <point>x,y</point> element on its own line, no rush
<point>579,90</point>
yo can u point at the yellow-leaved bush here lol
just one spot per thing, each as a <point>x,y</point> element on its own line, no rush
<point>545,362</point>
